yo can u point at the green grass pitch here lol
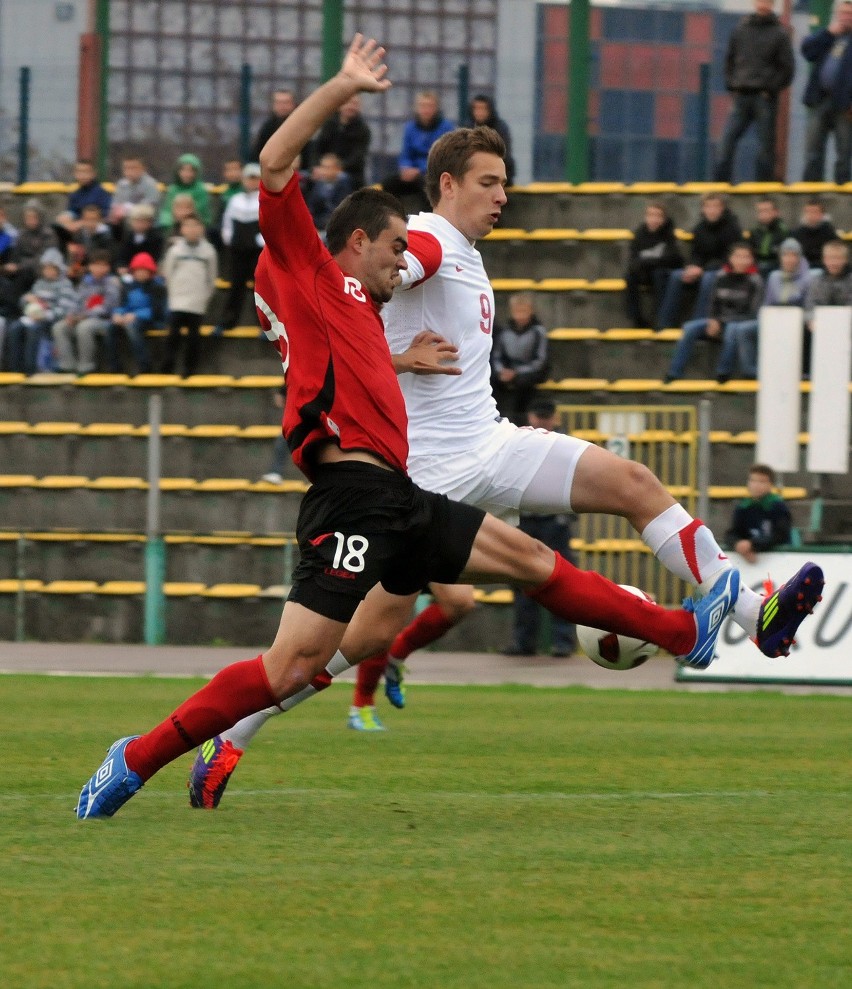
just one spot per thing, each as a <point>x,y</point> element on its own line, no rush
<point>494,837</point>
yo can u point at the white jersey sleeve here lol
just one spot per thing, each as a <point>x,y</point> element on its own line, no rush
<point>446,290</point>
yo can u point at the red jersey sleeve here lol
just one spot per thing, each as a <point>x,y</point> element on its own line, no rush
<point>424,256</point>
<point>288,228</point>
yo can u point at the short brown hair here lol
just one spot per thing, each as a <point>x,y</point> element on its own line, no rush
<point>764,470</point>
<point>452,153</point>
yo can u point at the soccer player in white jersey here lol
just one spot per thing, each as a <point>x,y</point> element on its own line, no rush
<point>459,445</point>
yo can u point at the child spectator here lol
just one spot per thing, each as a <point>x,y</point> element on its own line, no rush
<point>187,181</point>
<point>189,269</point>
<point>92,235</point>
<point>183,206</point>
<point>329,186</point>
<point>815,232</point>
<point>75,336</point>
<point>51,298</point>
<point>241,235</point>
<point>736,297</point>
<point>34,239</point>
<point>347,135</point>
<point>830,287</point>
<point>761,521</point>
<point>767,235</point>
<point>88,190</point>
<point>232,180</point>
<point>518,358</point>
<point>712,238</point>
<point>555,532</point>
<point>654,253</point>
<point>135,188</point>
<point>483,113</point>
<point>142,307</point>
<point>140,237</point>
<point>785,287</point>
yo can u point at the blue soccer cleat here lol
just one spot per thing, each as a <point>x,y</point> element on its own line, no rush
<point>783,612</point>
<point>395,683</point>
<point>111,786</point>
<point>215,762</point>
<point>710,612</point>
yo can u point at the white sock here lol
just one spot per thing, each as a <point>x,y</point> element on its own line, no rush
<point>688,549</point>
<point>244,731</point>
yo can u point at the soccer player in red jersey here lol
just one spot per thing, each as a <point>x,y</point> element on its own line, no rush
<point>364,527</point>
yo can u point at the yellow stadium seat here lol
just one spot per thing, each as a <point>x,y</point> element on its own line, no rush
<point>121,587</point>
<point>14,586</point>
<point>208,381</point>
<point>102,380</point>
<point>10,428</point>
<point>561,284</point>
<point>70,587</point>
<point>574,333</point>
<point>260,380</point>
<point>117,484</point>
<point>232,591</point>
<point>108,429</point>
<point>607,285</point>
<point>607,234</point>
<point>179,589</point>
<point>155,380</point>
<point>222,484</point>
<point>553,233</point>
<point>63,481</point>
<point>212,432</point>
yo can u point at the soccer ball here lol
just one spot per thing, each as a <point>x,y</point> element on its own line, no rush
<point>615,652</point>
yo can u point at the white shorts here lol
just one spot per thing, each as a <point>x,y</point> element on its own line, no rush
<point>499,476</point>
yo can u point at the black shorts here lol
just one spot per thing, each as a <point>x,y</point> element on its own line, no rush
<point>360,525</point>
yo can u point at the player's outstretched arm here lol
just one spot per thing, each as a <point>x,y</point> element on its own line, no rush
<point>362,71</point>
<point>428,353</point>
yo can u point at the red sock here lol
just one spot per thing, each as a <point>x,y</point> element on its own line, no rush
<point>428,626</point>
<point>235,692</point>
<point>367,678</point>
<point>585,597</point>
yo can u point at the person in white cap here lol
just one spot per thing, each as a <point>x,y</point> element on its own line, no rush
<point>244,241</point>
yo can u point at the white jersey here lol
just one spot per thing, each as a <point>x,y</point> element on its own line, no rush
<point>446,290</point>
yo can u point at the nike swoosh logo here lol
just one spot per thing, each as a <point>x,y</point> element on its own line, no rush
<point>459,269</point>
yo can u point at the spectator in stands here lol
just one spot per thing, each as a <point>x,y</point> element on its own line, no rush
<point>9,305</point>
<point>283,104</point>
<point>712,238</point>
<point>280,451</point>
<point>346,135</point>
<point>34,239</point>
<point>767,235</point>
<point>654,253</point>
<point>519,354</point>
<point>190,269</point>
<point>142,307</point>
<point>828,96</point>
<point>555,532</point>
<point>8,236</point>
<point>761,521</point>
<point>135,188</point>
<point>183,206</point>
<point>832,286</point>
<point>759,63</point>
<point>75,336</point>
<point>51,297</point>
<point>420,133</point>
<point>188,181</point>
<point>736,298</point>
<point>92,235</point>
<point>785,287</point>
<point>483,113</point>
<point>329,186</point>
<point>89,190</point>
<point>815,231</point>
<point>232,182</point>
<point>244,242</point>
<point>141,237</point>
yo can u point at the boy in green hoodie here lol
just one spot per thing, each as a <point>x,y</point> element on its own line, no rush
<point>188,180</point>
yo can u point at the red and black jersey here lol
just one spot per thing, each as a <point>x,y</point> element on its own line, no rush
<point>340,380</point>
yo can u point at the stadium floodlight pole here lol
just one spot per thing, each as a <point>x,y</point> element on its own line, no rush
<point>102,30</point>
<point>332,37</point>
<point>24,124</point>
<point>155,547</point>
<point>577,138</point>
<point>245,112</point>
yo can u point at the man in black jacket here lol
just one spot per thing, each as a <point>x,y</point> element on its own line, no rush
<point>653,254</point>
<point>346,135</point>
<point>283,104</point>
<point>828,96</point>
<point>758,65</point>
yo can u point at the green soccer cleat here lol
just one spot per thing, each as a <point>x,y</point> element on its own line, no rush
<point>364,719</point>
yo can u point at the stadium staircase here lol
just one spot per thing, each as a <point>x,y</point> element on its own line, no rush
<point>73,451</point>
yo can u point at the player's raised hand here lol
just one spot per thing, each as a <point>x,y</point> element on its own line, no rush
<point>363,65</point>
